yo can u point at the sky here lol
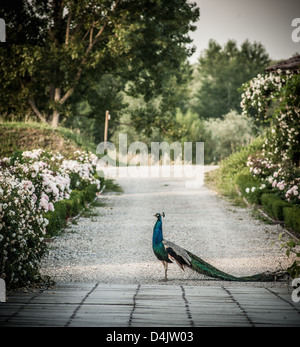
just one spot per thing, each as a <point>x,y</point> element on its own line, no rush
<point>266,21</point>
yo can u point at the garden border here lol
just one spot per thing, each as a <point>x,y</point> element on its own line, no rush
<point>293,234</point>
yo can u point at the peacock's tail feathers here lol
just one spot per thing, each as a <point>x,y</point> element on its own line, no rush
<point>207,269</point>
<point>182,258</point>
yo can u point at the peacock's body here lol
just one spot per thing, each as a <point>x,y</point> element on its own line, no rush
<point>169,252</point>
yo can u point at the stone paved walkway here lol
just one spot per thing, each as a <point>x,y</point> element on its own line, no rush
<point>95,304</point>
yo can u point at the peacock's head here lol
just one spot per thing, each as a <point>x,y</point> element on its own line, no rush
<point>158,215</point>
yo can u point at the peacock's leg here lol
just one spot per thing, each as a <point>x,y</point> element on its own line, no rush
<point>166,269</point>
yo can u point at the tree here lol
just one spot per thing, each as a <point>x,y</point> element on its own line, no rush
<point>223,71</point>
<point>53,46</point>
<point>228,134</point>
<point>89,103</point>
<point>280,89</point>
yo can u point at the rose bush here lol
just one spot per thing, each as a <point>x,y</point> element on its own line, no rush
<point>31,182</point>
<point>277,164</point>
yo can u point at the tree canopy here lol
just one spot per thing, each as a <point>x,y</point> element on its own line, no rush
<point>222,72</point>
<point>55,46</point>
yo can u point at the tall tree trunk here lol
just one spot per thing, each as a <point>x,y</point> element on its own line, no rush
<point>55,116</point>
<point>55,119</point>
<point>93,39</point>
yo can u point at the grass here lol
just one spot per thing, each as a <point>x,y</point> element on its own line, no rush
<point>32,135</point>
<point>98,203</point>
<point>233,175</point>
<point>111,186</point>
<point>257,215</point>
<point>224,180</point>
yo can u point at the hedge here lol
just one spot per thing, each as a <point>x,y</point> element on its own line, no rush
<point>65,209</point>
<point>245,181</point>
<point>282,210</point>
<point>274,206</point>
<point>292,218</point>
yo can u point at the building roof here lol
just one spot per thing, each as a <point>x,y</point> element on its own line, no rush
<point>292,64</point>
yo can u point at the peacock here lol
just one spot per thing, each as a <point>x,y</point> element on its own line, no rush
<point>169,252</point>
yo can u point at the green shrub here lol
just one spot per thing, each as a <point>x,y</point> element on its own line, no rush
<point>250,187</point>
<point>292,218</point>
<point>73,206</point>
<point>278,207</point>
<point>89,193</point>
<point>267,200</point>
<point>77,201</point>
<point>57,218</point>
<point>274,206</point>
<point>226,175</point>
<point>68,208</point>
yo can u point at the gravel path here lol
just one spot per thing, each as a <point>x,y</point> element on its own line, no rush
<point>115,246</point>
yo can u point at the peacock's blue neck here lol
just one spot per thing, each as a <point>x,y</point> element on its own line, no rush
<point>157,233</point>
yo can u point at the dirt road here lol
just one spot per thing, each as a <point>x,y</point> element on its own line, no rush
<point>115,245</point>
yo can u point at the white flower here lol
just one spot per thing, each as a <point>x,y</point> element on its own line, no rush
<point>50,206</point>
<point>281,185</point>
<point>247,190</point>
<point>253,189</point>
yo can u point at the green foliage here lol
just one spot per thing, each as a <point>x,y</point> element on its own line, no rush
<point>286,122</point>
<point>56,46</point>
<point>281,91</point>
<point>292,218</point>
<point>250,187</point>
<point>225,177</point>
<point>274,206</point>
<point>111,186</point>
<point>57,218</point>
<point>97,95</point>
<point>223,71</point>
<point>65,209</point>
<point>227,134</point>
<point>277,165</point>
<point>31,183</point>
<point>221,137</point>
<point>31,135</point>
<point>191,127</point>
<point>278,209</point>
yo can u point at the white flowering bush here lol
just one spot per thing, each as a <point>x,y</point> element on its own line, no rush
<point>31,184</point>
<point>276,166</point>
<point>22,228</point>
<point>81,169</point>
<point>281,178</point>
<point>261,90</point>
